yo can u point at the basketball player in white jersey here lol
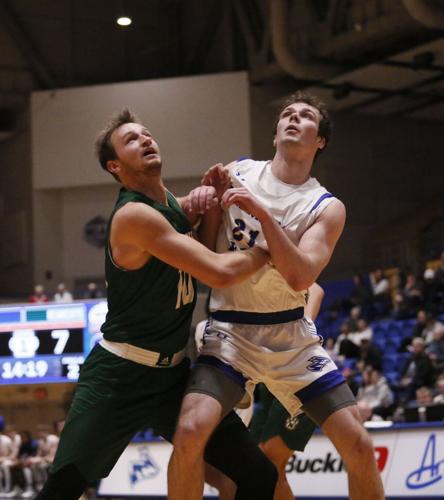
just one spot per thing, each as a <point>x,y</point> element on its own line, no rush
<point>257,331</point>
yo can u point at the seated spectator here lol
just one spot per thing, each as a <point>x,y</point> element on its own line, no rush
<point>431,286</point>
<point>354,316</point>
<point>62,294</point>
<point>413,293</point>
<point>22,474</point>
<point>369,355</point>
<point>428,333</point>
<point>92,291</point>
<point>381,293</point>
<point>435,349</point>
<point>439,390</point>
<point>344,347</point>
<point>408,299</point>
<point>46,449</point>
<point>363,331</point>
<point>366,413</point>
<point>420,325</point>
<point>361,294</point>
<point>39,295</point>
<point>424,397</point>
<point>418,371</point>
<point>8,457</point>
<point>375,392</point>
<point>421,322</point>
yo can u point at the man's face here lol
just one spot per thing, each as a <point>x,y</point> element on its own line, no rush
<point>417,346</point>
<point>299,124</point>
<point>136,150</point>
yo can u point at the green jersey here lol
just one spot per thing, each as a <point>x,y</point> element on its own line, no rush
<point>150,307</point>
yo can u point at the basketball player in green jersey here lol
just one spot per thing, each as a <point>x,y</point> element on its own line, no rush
<point>135,377</point>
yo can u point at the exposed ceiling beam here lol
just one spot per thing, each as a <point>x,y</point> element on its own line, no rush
<point>412,65</point>
<point>404,92</point>
<point>25,45</point>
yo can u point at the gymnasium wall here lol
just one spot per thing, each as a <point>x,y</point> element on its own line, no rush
<point>15,209</point>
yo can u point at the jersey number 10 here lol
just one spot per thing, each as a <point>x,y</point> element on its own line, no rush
<point>185,289</point>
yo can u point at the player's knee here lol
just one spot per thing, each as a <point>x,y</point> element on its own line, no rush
<point>190,437</point>
<point>361,451</point>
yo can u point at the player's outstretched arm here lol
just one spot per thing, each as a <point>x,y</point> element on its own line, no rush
<point>300,264</point>
<point>140,229</point>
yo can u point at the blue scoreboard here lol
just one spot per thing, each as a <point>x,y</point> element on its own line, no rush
<point>47,342</point>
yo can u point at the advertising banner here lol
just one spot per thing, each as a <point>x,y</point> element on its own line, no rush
<point>410,459</point>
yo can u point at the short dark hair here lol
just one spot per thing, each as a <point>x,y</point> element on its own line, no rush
<point>325,123</point>
<point>103,147</point>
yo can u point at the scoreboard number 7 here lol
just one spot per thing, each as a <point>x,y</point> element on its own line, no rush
<point>62,337</point>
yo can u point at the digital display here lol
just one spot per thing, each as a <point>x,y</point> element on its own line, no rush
<point>47,342</point>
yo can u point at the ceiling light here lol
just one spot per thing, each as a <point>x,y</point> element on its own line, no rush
<point>124,21</point>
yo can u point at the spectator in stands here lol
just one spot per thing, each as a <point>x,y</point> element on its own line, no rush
<point>22,473</point>
<point>419,370</point>
<point>344,347</point>
<point>39,295</point>
<point>413,293</point>
<point>431,288</point>
<point>361,294</point>
<point>92,291</point>
<point>421,323</point>
<point>363,331</point>
<point>418,328</point>
<point>381,293</point>
<point>439,390</point>
<point>354,316</point>
<point>375,392</point>
<point>424,396</point>
<point>435,349</point>
<point>367,414</point>
<point>408,299</point>
<point>369,355</point>
<point>46,449</point>
<point>8,456</point>
<point>62,294</point>
<point>432,325</point>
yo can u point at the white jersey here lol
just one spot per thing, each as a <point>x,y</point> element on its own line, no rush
<point>6,446</point>
<point>295,207</point>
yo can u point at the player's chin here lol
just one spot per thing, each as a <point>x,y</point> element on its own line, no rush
<point>154,168</point>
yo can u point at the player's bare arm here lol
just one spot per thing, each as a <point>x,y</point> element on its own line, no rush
<point>218,179</point>
<point>139,232</point>
<point>315,298</point>
<point>299,263</point>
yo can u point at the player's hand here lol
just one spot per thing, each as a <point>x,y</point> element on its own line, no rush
<point>245,201</point>
<point>200,200</point>
<point>218,177</point>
